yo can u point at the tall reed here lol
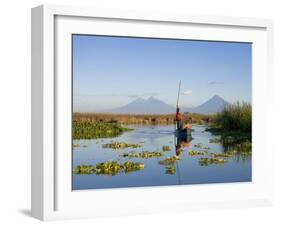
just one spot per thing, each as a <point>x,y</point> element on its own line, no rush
<point>236,117</point>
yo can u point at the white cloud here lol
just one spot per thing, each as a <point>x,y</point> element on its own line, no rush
<point>187,92</point>
<point>215,83</point>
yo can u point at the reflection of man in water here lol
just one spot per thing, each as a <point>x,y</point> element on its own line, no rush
<point>182,143</point>
<point>178,149</point>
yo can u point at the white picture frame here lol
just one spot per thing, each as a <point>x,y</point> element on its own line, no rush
<point>52,197</point>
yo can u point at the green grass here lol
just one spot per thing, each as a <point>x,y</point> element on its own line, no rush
<point>92,130</point>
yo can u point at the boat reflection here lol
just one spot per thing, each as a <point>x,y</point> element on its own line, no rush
<point>182,143</point>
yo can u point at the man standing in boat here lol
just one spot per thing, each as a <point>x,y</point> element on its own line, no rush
<point>178,118</point>
<point>179,124</point>
<point>179,121</point>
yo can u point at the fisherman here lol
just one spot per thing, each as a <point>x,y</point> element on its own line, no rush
<point>178,118</point>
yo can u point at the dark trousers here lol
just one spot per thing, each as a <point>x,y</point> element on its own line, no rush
<point>179,125</point>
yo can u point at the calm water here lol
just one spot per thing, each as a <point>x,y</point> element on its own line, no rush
<point>188,170</point>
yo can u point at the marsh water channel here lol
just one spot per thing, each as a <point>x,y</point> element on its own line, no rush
<point>187,170</point>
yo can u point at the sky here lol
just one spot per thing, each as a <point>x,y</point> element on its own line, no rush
<point>110,72</point>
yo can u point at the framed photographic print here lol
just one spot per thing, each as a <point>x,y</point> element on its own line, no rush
<point>137,112</point>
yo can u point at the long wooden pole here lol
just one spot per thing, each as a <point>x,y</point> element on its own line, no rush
<point>178,102</point>
<point>177,170</point>
<point>179,93</point>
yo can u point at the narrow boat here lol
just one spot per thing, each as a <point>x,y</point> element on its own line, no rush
<point>184,134</point>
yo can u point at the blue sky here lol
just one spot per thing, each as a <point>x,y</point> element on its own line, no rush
<point>109,72</point>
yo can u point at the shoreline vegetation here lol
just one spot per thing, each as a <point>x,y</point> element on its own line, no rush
<point>138,119</point>
<point>233,126</point>
<point>233,123</point>
<point>94,130</point>
<point>106,125</point>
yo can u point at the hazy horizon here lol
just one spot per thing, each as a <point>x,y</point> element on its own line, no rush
<point>110,72</point>
<point>182,107</point>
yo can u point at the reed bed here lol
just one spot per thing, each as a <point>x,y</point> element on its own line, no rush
<point>141,119</point>
<point>236,117</point>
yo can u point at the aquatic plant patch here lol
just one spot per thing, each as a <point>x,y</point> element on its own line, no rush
<point>226,154</point>
<point>166,148</point>
<point>109,168</point>
<point>210,161</point>
<point>193,153</point>
<point>132,166</point>
<point>121,145</point>
<point>79,146</point>
<point>143,154</point>
<point>93,130</point>
<point>169,160</point>
<point>170,170</point>
<point>75,145</point>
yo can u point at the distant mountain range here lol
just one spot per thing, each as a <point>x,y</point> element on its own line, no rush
<point>213,105</point>
<point>146,106</point>
<point>153,105</point>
